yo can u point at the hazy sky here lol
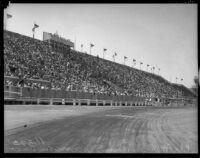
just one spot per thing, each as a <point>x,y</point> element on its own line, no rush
<point>161,35</point>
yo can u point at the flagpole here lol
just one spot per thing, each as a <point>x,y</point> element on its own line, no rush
<point>33,32</point>
<point>104,51</point>
<point>5,19</point>
<point>75,42</point>
<point>81,47</point>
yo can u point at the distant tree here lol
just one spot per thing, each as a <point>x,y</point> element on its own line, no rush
<point>194,88</point>
<point>196,81</point>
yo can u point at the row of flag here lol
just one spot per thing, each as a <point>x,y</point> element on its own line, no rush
<point>34,27</point>
<point>125,57</point>
<point>91,45</point>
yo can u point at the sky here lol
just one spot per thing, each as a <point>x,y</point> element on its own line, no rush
<point>161,35</point>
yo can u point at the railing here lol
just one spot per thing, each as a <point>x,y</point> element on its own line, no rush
<point>28,95</point>
<point>43,93</point>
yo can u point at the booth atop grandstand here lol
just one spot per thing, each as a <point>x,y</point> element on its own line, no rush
<point>57,42</point>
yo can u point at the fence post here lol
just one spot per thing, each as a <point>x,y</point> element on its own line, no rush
<point>38,101</point>
<point>74,102</point>
<point>111,103</point>
<point>51,101</point>
<point>63,101</point>
<point>79,102</point>
<point>88,102</point>
<point>104,103</point>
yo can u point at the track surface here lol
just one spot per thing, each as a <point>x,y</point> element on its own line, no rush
<point>125,130</point>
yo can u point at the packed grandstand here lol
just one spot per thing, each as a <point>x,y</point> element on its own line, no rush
<point>28,58</point>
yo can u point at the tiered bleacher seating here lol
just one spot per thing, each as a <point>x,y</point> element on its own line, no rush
<point>28,58</point>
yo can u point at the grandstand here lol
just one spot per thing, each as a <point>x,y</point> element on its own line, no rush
<point>36,72</point>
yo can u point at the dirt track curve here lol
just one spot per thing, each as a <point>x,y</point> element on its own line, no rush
<point>125,130</point>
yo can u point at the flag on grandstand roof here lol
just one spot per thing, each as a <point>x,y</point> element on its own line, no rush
<point>104,49</point>
<point>9,16</point>
<point>91,45</point>
<point>134,60</point>
<point>141,62</point>
<point>125,57</point>
<point>148,65</point>
<point>36,26</point>
<point>115,54</point>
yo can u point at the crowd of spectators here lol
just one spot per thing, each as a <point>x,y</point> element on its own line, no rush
<point>29,58</point>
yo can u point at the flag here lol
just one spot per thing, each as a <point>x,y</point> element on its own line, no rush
<point>115,54</point>
<point>134,60</point>
<point>81,45</point>
<point>91,45</point>
<point>104,49</point>
<point>36,26</point>
<point>141,63</point>
<point>148,65</point>
<point>125,57</point>
<point>9,16</point>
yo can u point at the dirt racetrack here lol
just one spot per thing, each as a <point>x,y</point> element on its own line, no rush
<point>122,130</point>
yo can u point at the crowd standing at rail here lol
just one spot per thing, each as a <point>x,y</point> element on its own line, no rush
<point>29,58</point>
